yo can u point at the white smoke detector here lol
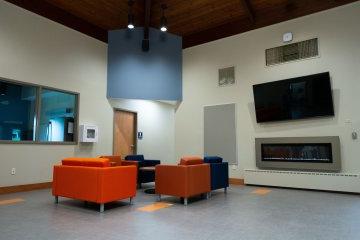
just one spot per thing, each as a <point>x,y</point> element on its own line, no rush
<point>287,37</point>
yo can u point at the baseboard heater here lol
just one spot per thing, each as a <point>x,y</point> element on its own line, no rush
<point>343,182</point>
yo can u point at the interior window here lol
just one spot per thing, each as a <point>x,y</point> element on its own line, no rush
<point>17,112</point>
<point>57,116</point>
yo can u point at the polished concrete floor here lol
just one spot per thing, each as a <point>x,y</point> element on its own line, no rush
<point>244,213</point>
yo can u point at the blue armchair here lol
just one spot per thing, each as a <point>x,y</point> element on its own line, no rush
<point>219,172</point>
<point>143,176</point>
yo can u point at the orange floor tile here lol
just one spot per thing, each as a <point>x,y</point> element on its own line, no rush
<point>154,207</point>
<point>11,201</point>
<point>261,191</point>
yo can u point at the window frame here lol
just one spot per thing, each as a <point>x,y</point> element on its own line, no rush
<point>38,114</point>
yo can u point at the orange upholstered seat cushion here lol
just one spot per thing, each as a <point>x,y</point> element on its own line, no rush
<point>86,162</point>
<point>191,160</point>
<point>114,160</point>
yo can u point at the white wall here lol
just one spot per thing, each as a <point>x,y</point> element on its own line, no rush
<point>339,37</point>
<point>36,50</point>
<point>157,122</point>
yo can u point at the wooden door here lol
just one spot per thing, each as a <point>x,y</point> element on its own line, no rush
<point>124,133</point>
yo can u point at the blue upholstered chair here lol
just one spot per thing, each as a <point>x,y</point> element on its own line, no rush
<point>219,172</point>
<point>143,176</point>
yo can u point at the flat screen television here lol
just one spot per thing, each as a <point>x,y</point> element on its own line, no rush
<point>295,98</point>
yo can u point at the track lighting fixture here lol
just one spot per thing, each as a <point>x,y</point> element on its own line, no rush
<point>3,89</point>
<point>130,15</point>
<point>145,43</point>
<point>163,20</point>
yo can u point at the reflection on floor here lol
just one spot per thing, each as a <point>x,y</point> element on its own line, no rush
<point>282,214</point>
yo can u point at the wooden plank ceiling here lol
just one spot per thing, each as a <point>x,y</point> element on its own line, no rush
<point>197,21</point>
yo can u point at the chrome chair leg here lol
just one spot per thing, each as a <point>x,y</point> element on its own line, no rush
<point>102,207</point>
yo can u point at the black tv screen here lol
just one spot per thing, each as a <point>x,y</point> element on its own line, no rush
<point>295,98</point>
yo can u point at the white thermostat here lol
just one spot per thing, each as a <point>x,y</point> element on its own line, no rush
<point>287,37</point>
<point>89,133</point>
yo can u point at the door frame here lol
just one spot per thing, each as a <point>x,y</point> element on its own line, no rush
<point>135,128</point>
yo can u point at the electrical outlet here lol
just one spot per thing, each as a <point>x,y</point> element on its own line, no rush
<point>234,167</point>
<point>13,171</point>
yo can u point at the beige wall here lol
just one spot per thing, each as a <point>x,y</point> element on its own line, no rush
<point>36,50</point>
<point>339,37</point>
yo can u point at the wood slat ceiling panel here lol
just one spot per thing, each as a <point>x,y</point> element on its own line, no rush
<point>107,14</point>
<point>186,17</point>
<point>264,16</point>
<point>197,21</point>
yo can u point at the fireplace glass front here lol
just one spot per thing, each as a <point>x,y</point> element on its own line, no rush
<point>297,152</point>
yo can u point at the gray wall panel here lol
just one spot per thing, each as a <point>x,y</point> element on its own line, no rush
<point>220,132</point>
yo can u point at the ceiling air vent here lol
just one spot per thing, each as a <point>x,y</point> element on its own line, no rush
<point>292,52</point>
<point>226,76</point>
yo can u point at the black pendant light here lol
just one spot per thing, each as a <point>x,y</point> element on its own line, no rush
<point>131,24</point>
<point>3,88</point>
<point>163,20</point>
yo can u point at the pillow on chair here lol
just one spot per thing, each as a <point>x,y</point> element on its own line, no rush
<point>192,160</point>
<point>213,159</point>
<point>138,158</point>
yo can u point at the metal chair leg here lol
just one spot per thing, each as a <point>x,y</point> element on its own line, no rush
<point>131,201</point>
<point>225,190</point>
<point>102,207</point>
<point>159,197</point>
<point>185,201</point>
<point>56,199</point>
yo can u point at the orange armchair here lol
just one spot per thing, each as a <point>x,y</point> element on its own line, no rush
<point>191,177</point>
<point>93,180</point>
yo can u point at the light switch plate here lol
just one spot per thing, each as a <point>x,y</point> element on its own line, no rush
<point>354,135</point>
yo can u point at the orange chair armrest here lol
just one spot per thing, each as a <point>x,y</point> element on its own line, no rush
<point>200,175</point>
<point>171,180</point>
<point>116,183</point>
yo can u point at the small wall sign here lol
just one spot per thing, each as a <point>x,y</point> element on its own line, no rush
<point>140,135</point>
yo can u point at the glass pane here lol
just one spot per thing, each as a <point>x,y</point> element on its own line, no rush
<point>17,112</point>
<point>57,116</point>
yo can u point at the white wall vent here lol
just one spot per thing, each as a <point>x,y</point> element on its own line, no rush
<point>344,182</point>
<point>304,173</point>
<point>292,52</point>
<point>226,76</point>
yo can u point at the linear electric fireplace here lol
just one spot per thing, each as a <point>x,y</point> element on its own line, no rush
<point>298,153</point>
